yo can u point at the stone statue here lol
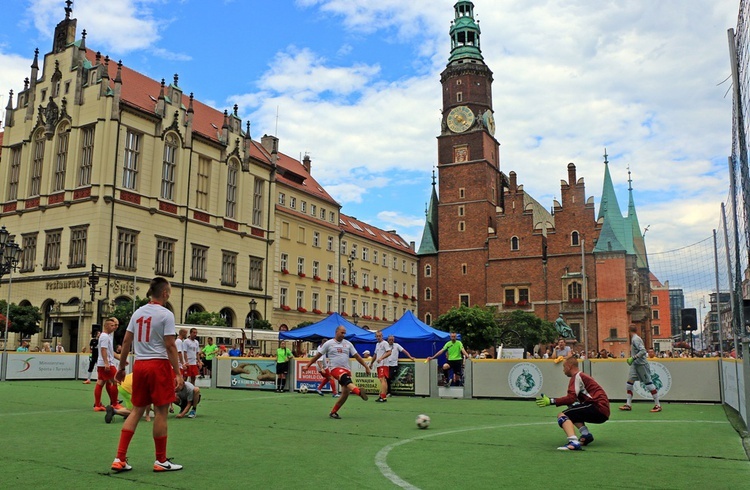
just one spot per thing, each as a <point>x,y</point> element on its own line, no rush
<point>563,328</point>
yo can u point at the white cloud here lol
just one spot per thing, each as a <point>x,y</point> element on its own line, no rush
<point>13,70</point>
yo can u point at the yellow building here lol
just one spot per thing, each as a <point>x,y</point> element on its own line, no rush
<point>102,166</point>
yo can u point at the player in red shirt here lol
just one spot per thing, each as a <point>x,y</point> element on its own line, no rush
<point>156,373</point>
<point>587,402</point>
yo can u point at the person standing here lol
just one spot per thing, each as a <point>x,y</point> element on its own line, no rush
<point>396,348</point>
<point>191,347</point>
<point>380,359</point>
<point>283,355</point>
<point>639,371</point>
<point>339,350</point>
<point>105,367</point>
<point>180,345</point>
<point>587,402</point>
<point>94,356</point>
<point>456,356</point>
<point>156,373</point>
<point>325,372</point>
<point>210,350</point>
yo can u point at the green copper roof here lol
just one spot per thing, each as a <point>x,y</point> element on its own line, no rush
<point>464,34</point>
<point>429,243</point>
<point>639,244</point>
<point>616,233</point>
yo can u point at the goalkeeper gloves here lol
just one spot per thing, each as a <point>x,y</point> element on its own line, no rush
<point>543,401</point>
<point>630,361</point>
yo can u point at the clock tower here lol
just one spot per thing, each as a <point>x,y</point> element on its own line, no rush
<point>470,182</point>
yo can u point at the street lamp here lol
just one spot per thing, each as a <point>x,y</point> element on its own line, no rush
<point>355,317</point>
<point>350,262</point>
<point>10,254</point>
<point>251,321</point>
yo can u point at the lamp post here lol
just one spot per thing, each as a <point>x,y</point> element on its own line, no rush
<point>355,317</point>
<point>251,321</point>
<point>10,254</point>
<point>350,262</point>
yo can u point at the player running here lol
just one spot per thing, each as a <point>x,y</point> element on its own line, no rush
<point>587,402</point>
<point>639,371</point>
<point>338,350</point>
<point>325,372</point>
<point>156,373</point>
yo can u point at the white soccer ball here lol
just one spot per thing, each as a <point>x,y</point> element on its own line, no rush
<point>303,389</point>
<point>423,421</point>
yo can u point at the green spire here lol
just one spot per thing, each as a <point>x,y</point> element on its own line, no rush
<point>613,236</point>
<point>464,34</point>
<point>429,243</point>
<point>639,243</point>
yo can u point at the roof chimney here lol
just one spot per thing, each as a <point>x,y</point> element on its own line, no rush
<point>270,143</point>
<point>571,174</point>
<point>306,162</point>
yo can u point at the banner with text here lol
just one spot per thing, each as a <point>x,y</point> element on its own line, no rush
<point>253,373</point>
<point>36,365</point>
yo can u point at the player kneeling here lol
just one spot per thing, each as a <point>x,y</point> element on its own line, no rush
<point>587,403</point>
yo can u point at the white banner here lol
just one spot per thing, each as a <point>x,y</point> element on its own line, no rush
<point>37,365</point>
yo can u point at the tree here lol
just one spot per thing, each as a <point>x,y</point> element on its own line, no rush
<point>206,318</point>
<point>476,325</point>
<point>532,329</point>
<point>261,324</point>
<point>23,319</point>
<point>123,311</point>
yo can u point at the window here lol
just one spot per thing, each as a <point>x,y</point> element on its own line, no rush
<point>428,319</point>
<point>612,333</point>
<point>403,288</point>
<point>510,297</point>
<point>164,256</point>
<point>300,265</point>
<point>463,299</point>
<point>428,294</point>
<point>131,162</point>
<point>365,308</point>
<point>198,263</point>
<point>127,247</point>
<point>385,284</point>
<point>316,301</point>
<point>575,239</point>
<point>232,190</point>
<point>14,174</point>
<point>329,273</point>
<point>343,247</point>
<point>228,268</point>
<point>654,314</point>
<point>28,256</point>
<point>385,259</point>
<point>77,255</point>
<point>169,164</point>
<point>323,217</point>
<point>428,271</point>
<point>202,183</point>
<point>283,296</point>
<point>365,253</point>
<point>354,249</point>
<point>575,291</point>
<point>329,302</point>
<point>329,245</point>
<point>365,279</point>
<point>316,268</point>
<point>374,256</point>
<point>303,206</point>
<point>258,203</point>
<point>343,275</point>
<point>61,158</point>
<point>461,226</point>
<point>459,96</point>
<point>343,305</point>
<point>413,268</point>
<point>256,273</point>
<point>655,300</point>
<point>464,269</point>
<point>282,198</point>
<point>395,263</point>
<point>52,250</point>
<point>316,239</point>
<point>514,243</point>
<point>301,235</point>
<point>354,307</point>
<point>293,202</point>
<point>385,312</point>
<point>331,217</point>
<point>313,210</point>
<point>461,210</point>
<point>461,193</point>
<point>657,331</point>
<point>300,299</point>
<point>285,230</point>
<point>284,262</point>
<point>403,265</point>
<point>36,166</point>
<point>523,296</point>
<point>87,156</point>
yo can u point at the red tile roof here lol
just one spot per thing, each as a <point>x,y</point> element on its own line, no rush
<point>388,238</point>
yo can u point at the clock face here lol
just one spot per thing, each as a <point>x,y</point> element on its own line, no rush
<point>460,119</point>
<point>489,122</point>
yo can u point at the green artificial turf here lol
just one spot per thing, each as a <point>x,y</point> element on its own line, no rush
<point>51,438</point>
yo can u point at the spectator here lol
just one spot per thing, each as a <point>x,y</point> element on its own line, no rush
<point>93,356</point>
<point>209,352</point>
<point>223,351</point>
<point>24,347</point>
<point>59,349</point>
<point>46,348</point>
<point>562,351</point>
<point>235,351</point>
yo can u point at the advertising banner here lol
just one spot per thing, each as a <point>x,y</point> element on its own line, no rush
<point>402,384</point>
<point>310,377</point>
<point>36,365</point>
<point>253,373</point>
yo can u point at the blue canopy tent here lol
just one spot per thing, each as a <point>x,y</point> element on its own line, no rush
<point>420,339</point>
<point>326,329</point>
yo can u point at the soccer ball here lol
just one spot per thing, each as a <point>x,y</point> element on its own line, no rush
<point>423,421</point>
<point>303,389</point>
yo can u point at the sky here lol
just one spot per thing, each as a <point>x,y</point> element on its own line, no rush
<point>356,85</point>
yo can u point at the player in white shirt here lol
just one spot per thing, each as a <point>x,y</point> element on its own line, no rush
<point>181,356</point>
<point>105,367</point>
<point>396,348</point>
<point>339,350</point>
<point>325,372</point>
<point>380,359</point>
<point>191,349</point>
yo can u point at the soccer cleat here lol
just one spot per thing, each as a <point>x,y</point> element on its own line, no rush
<point>586,440</point>
<point>99,408</point>
<point>319,392</point>
<point>191,414</point>
<point>571,446</point>
<point>336,395</point>
<point>334,415</point>
<point>110,414</point>
<point>117,406</point>
<point>119,466</point>
<point>167,465</point>
<point>626,408</point>
<point>381,400</point>
<point>87,382</point>
<point>657,408</point>
<point>363,395</point>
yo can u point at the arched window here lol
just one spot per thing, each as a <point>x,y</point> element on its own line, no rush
<point>37,164</point>
<point>575,239</point>
<point>61,157</point>
<point>232,172</point>
<point>428,294</point>
<point>194,308</point>
<point>514,243</point>
<point>169,164</point>
<point>228,315</point>
<point>428,319</point>
<point>428,270</point>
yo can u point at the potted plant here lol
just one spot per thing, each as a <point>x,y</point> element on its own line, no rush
<point>285,271</point>
<point>302,309</point>
<point>285,307</point>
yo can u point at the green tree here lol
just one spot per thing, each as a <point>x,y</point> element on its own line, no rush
<point>532,329</point>
<point>23,319</point>
<point>261,324</point>
<point>476,325</point>
<point>206,318</point>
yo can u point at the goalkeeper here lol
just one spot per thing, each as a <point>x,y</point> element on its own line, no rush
<point>639,371</point>
<point>587,402</point>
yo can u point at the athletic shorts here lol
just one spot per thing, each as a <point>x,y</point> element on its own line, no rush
<point>344,376</point>
<point>125,396</point>
<point>192,370</point>
<point>457,366</point>
<point>104,374</point>
<point>324,373</point>
<point>585,413</point>
<point>640,372</point>
<point>382,371</point>
<point>153,382</point>
<point>208,363</point>
<point>282,367</point>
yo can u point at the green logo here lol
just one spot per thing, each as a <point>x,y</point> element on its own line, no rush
<point>525,382</point>
<point>525,379</point>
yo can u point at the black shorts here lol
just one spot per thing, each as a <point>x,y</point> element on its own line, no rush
<point>208,363</point>
<point>585,413</point>
<point>456,366</point>
<point>282,367</point>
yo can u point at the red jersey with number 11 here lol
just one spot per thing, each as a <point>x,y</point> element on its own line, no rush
<point>150,324</point>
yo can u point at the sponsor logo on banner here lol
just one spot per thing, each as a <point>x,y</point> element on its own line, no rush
<point>253,374</point>
<point>310,377</point>
<point>45,366</point>
<point>525,379</point>
<point>660,376</point>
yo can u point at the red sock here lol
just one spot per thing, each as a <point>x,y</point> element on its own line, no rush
<point>112,393</point>
<point>383,395</point>
<point>322,384</point>
<point>160,443</point>
<point>333,388</point>
<point>122,448</point>
<point>97,395</point>
<point>356,391</point>
<point>335,408</point>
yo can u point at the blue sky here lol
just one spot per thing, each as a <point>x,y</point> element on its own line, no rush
<point>356,85</point>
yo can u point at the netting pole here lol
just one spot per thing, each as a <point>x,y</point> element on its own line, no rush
<point>585,300</point>
<point>729,276</point>
<point>735,279</point>
<point>718,319</point>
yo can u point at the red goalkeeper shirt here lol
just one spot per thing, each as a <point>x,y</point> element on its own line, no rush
<point>582,388</point>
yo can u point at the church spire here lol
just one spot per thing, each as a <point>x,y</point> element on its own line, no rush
<point>639,243</point>
<point>613,233</point>
<point>464,34</point>
<point>429,243</point>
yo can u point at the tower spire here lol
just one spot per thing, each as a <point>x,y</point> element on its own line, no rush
<point>464,34</point>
